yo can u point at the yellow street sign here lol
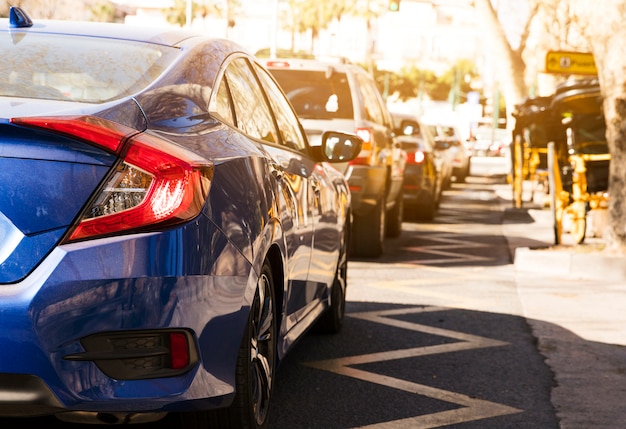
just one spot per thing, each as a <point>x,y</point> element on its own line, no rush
<point>570,62</point>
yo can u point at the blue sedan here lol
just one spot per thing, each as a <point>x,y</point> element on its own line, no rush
<point>167,233</point>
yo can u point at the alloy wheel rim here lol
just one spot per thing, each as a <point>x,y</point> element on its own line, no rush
<point>262,349</point>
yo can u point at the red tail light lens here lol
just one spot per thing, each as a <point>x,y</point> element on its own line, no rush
<point>156,184</point>
<point>416,157</point>
<point>365,134</point>
<point>278,63</point>
<point>100,132</point>
<point>365,156</point>
<point>179,350</point>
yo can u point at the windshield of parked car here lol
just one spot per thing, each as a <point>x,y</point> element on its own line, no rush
<point>78,68</point>
<point>315,95</point>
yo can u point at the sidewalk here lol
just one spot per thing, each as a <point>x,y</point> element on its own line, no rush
<point>574,298</point>
<point>530,232</point>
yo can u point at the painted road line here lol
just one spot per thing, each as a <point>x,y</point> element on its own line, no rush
<point>473,408</point>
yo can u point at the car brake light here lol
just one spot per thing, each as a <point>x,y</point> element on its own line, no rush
<point>365,134</point>
<point>365,155</point>
<point>282,64</point>
<point>156,184</point>
<point>416,157</point>
<point>105,134</point>
<point>179,350</point>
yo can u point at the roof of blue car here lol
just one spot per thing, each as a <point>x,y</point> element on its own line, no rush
<point>158,35</point>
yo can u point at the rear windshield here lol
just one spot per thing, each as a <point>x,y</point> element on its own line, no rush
<point>316,96</point>
<point>84,69</point>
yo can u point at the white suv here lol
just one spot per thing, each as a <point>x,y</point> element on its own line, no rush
<point>340,96</point>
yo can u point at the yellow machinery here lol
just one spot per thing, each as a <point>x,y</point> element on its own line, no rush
<point>560,143</point>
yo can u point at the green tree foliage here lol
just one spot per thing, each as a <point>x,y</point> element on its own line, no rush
<point>177,14</point>
<point>411,82</point>
<point>314,16</point>
<point>104,12</point>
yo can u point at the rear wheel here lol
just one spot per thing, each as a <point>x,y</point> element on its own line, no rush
<point>394,221</point>
<point>462,174</point>
<point>368,233</point>
<point>256,365</point>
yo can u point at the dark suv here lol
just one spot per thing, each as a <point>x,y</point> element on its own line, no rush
<point>343,97</point>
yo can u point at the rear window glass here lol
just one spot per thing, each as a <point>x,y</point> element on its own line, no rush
<point>84,69</point>
<point>316,96</point>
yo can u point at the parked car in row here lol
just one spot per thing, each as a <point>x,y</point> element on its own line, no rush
<point>460,151</point>
<point>490,141</point>
<point>167,232</point>
<point>336,95</point>
<point>424,172</point>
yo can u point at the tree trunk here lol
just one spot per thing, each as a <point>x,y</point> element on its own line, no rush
<point>604,29</point>
<point>509,65</point>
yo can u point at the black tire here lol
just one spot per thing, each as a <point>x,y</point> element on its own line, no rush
<point>256,366</point>
<point>447,183</point>
<point>393,228</point>
<point>461,176</point>
<point>368,233</point>
<point>331,321</point>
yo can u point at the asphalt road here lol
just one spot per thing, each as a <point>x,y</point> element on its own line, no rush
<point>433,336</point>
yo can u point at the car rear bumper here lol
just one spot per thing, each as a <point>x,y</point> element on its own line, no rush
<point>417,187</point>
<point>367,186</point>
<point>24,395</point>
<point>137,283</point>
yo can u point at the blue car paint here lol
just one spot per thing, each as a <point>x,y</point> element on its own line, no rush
<point>201,275</point>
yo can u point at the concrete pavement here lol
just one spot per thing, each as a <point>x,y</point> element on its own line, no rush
<point>574,298</point>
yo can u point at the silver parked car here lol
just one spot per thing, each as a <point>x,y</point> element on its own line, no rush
<point>343,96</point>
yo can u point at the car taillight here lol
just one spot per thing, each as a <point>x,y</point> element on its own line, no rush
<point>278,63</point>
<point>416,157</point>
<point>156,183</point>
<point>97,131</point>
<point>365,156</point>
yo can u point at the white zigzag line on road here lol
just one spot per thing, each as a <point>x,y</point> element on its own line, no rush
<point>474,409</point>
<point>454,242</point>
<point>449,257</point>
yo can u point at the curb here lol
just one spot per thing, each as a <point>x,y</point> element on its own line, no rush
<point>569,262</point>
<point>530,232</point>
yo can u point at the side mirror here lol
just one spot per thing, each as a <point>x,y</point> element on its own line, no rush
<point>340,147</point>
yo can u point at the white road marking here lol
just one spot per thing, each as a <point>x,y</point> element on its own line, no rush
<point>450,248</point>
<point>474,409</point>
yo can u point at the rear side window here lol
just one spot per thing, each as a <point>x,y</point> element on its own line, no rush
<point>83,69</point>
<point>252,113</point>
<point>372,100</point>
<point>285,117</point>
<point>317,94</point>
